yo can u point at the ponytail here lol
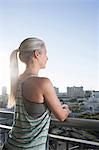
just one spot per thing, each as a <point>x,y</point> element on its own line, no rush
<point>14,71</point>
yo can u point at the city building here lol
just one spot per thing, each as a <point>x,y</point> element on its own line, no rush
<point>75,92</point>
<point>56,90</point>
<point>4,97</point>
<point>88,93</point>
<point>95,94</point>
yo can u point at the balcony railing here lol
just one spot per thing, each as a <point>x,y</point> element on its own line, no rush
<point>57,142</point>
<point>78,124</point>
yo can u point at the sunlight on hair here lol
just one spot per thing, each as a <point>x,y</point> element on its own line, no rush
<point>11,103</point>
<point>5,73</point>
<point>21,66</point>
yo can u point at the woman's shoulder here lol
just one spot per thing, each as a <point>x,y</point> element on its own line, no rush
<point>45,83</point>
<point>44,80</point>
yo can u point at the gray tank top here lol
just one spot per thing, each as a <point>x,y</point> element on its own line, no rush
<point>34,109</point>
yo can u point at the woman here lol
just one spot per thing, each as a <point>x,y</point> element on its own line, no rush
<point>34,98</point>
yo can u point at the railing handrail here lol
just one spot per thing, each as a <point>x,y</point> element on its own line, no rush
<point>78,123</point>
<point>7,112</point>
<point>2,126</point>
<point>73,139</point>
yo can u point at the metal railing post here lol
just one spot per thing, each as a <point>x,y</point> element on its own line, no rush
<point>67,145</point>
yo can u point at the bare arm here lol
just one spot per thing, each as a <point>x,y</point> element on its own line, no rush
<point>61,113</point>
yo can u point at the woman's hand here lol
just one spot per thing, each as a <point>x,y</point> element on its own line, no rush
<point>66,107</point>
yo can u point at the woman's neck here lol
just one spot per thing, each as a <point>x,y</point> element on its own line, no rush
<point>31,71</point>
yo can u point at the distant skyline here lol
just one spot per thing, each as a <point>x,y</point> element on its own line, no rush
<point>70,31</point>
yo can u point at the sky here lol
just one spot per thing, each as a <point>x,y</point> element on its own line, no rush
<point>70,31</point>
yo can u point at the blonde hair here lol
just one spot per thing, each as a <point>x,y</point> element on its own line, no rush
<point>25,51</point>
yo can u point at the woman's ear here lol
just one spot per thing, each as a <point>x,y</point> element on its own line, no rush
<point>36,53</point>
